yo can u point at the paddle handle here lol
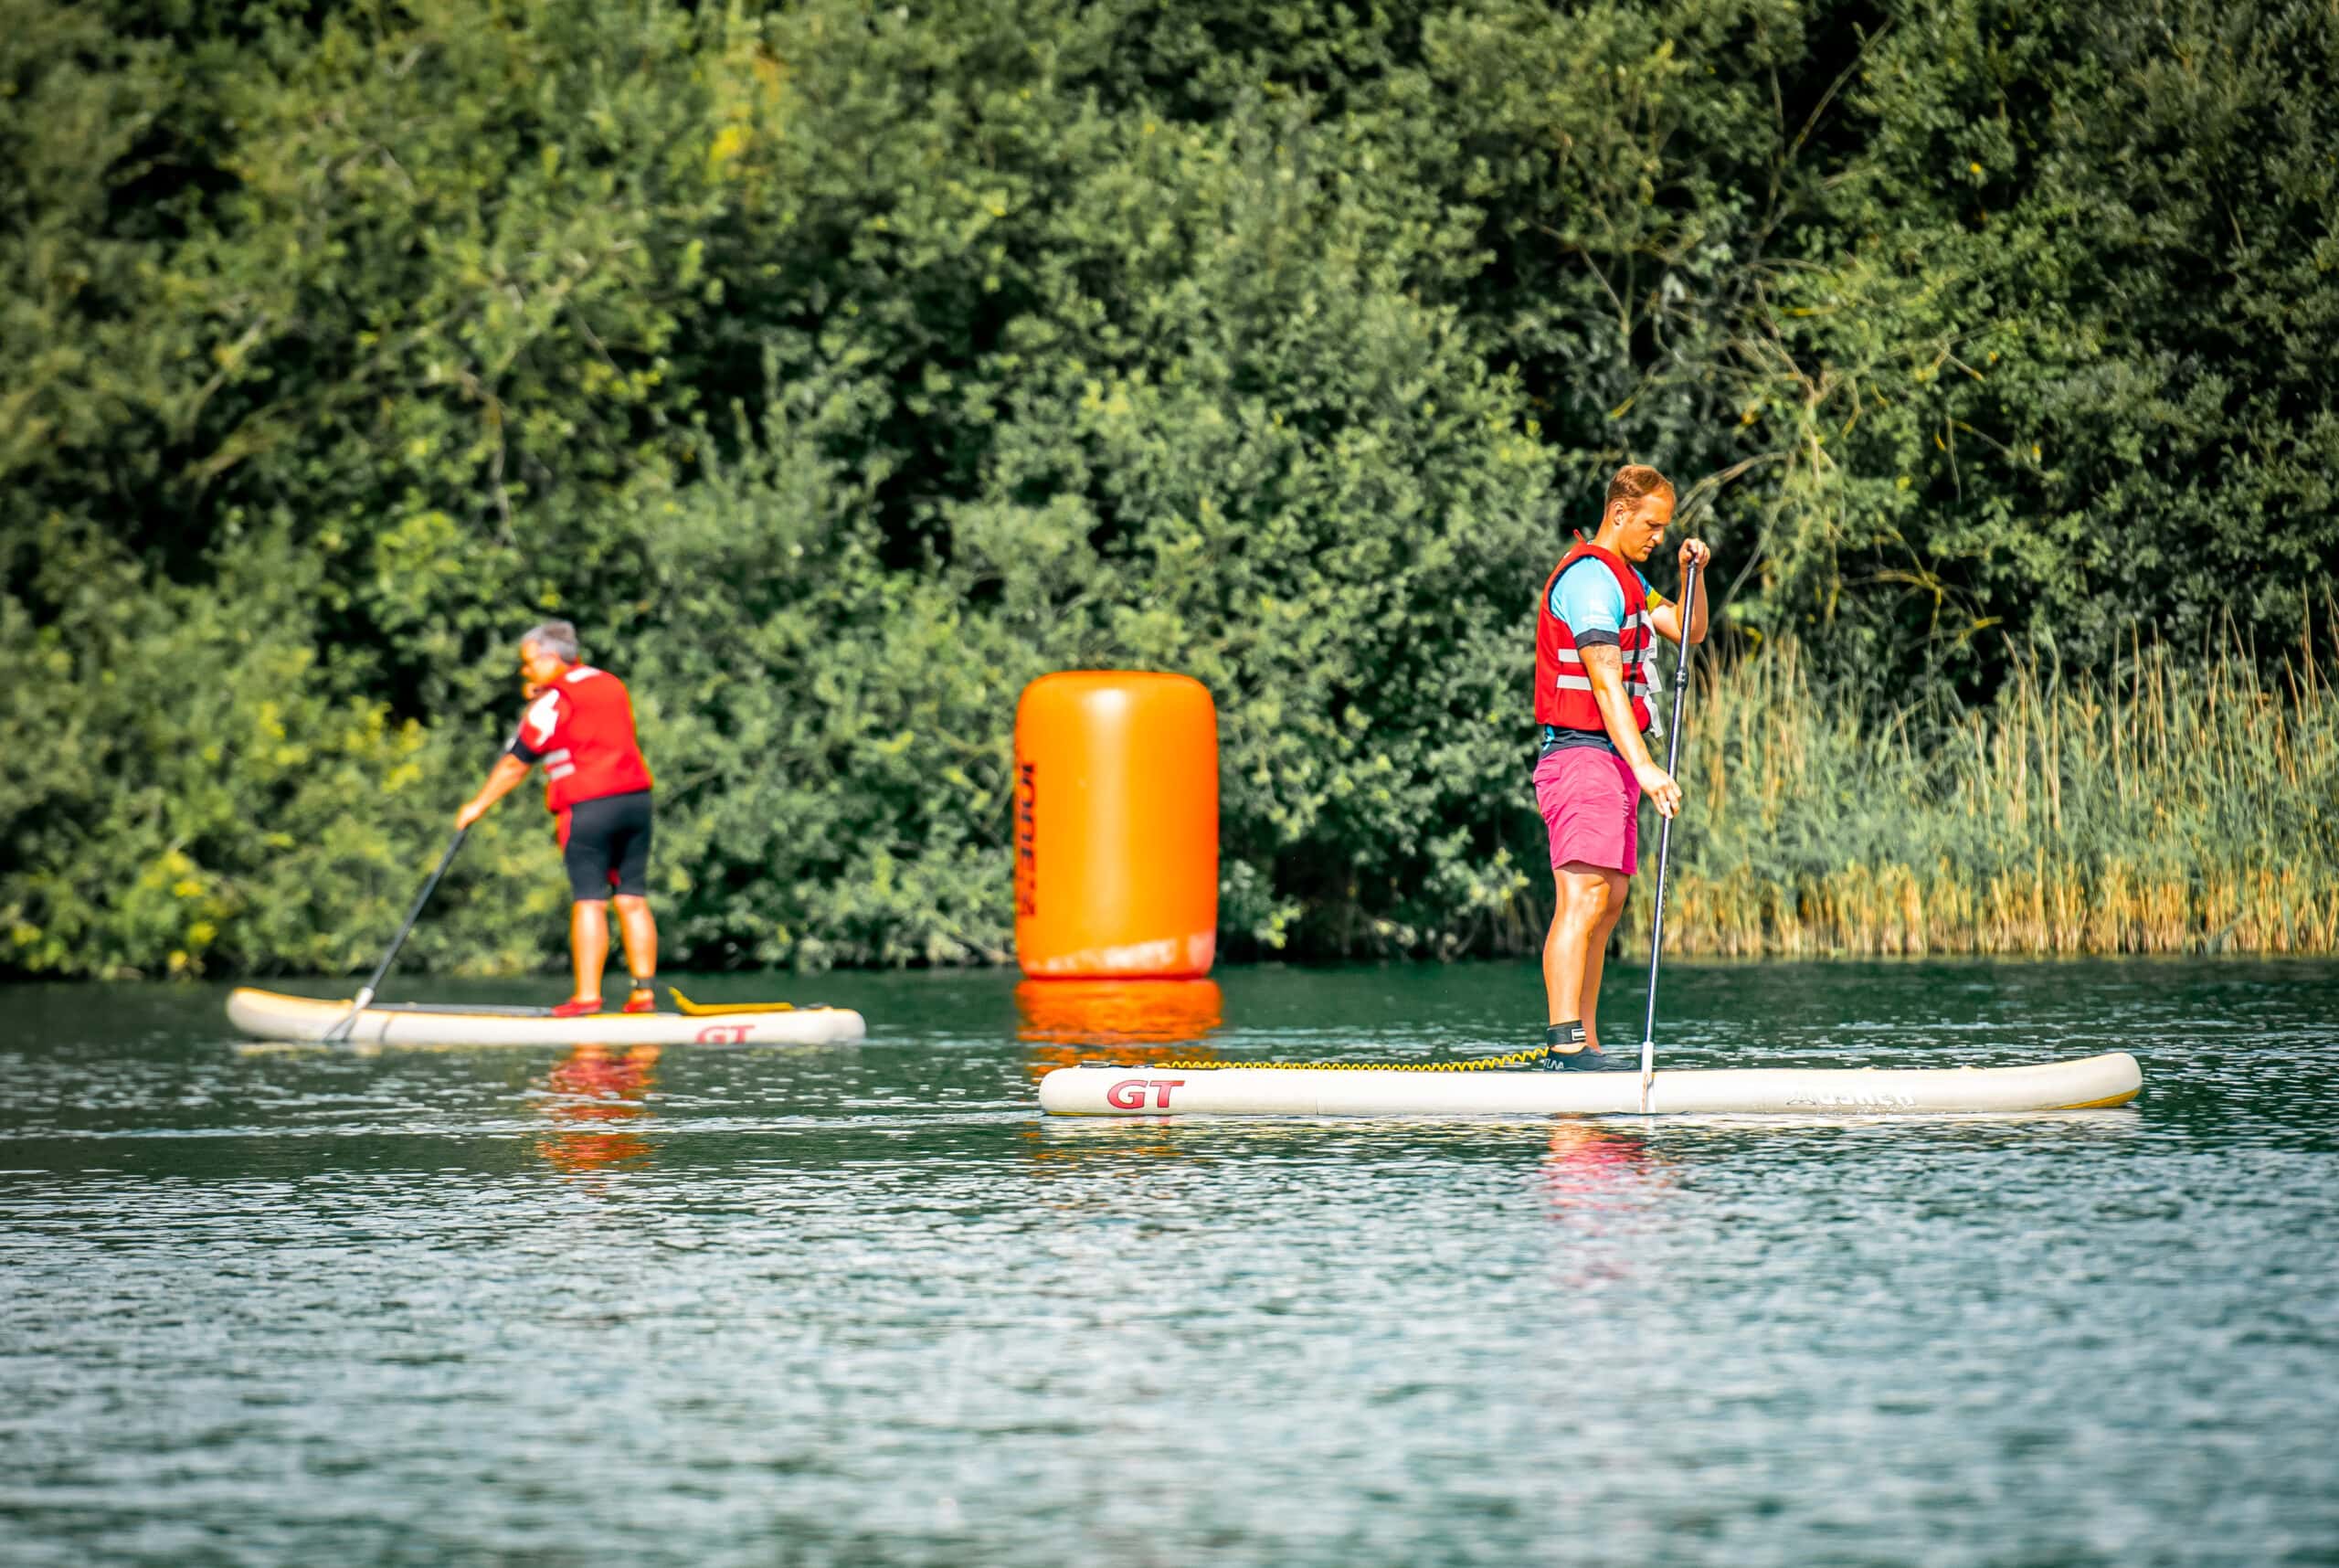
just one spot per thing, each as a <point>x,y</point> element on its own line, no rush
<point>381,971</point>
<point>1664,831</point>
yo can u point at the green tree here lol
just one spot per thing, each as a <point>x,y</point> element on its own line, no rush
<point>840,370</point>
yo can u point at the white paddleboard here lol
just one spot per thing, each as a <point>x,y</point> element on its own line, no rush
<point>2081,1084</point>
<point>273,1016</point>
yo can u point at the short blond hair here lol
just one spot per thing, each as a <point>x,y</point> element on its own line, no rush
<point>1635,480</point>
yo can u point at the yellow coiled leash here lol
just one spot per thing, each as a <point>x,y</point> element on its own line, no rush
<point>1465,1064</point>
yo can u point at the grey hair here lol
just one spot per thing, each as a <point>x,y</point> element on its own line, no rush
<point>557,638</point>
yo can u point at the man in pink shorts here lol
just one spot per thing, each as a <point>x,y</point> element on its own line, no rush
<point>1593,683</point>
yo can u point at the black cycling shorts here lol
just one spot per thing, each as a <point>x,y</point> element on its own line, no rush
<point>608,847</point>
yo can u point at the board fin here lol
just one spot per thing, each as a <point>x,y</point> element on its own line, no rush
<point>702,1009</point>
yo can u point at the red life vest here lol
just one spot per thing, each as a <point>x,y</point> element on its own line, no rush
<point>581,727</point>
<point>1562,690</point>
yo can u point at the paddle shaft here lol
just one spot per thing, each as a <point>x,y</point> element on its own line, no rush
<point>1665,831</point>
<point>381,970</point>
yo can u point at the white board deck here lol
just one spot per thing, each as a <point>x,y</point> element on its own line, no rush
<point>2081,1084</point>
<point>270,1015</point>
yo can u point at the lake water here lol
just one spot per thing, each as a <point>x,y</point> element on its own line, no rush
<point>860,1305</point>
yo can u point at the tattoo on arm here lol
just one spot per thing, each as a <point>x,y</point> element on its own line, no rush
<point>1604,665</point>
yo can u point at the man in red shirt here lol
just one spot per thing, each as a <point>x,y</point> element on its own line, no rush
<point>579,725</point>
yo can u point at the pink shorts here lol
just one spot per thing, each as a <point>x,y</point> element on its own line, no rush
<point>1591,804</point>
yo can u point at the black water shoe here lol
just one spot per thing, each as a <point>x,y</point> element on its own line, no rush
<point>1586,1060</point>
<point>1565,1051</point>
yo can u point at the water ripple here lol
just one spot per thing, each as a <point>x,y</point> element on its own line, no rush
<point>862,1306</point>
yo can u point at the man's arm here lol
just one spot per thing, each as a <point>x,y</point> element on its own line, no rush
<point>1664,618</point>
<point>1605,667</point>
<point>502,779</point>
<point>537,727</point>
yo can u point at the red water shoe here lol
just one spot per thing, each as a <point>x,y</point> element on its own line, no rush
<point>642,999</point>
<point>579,1007</point>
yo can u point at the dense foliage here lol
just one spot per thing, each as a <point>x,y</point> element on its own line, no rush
<point>841,368</point>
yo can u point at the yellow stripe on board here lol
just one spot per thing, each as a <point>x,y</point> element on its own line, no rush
<point>690,1009</point>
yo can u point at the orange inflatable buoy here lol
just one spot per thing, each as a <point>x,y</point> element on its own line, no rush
<point>1116,826</point>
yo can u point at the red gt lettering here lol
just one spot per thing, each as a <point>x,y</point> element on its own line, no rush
<point>724,1033</point>
<point>1129,1093</point>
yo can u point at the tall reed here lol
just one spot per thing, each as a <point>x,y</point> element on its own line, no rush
<point>2170,805</point>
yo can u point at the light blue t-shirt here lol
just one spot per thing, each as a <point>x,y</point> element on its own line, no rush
<point>1590,601</point>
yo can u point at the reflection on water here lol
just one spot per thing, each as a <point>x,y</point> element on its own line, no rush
<point>1117,1012</point>
<point>1604,1185</point>
<point>590,1097</point>
<point>1586,1159</point>
<point>1140,1022</point>
<point>1108,1146</point>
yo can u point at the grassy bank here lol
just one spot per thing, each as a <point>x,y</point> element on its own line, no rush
<point>2174,804</point>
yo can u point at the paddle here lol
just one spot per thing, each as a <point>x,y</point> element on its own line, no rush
<point>1665,832</point>
<point>340,1031</point>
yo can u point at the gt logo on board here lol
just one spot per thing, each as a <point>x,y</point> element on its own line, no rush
<point>723,1034</point>
<point>1129,1093</point>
